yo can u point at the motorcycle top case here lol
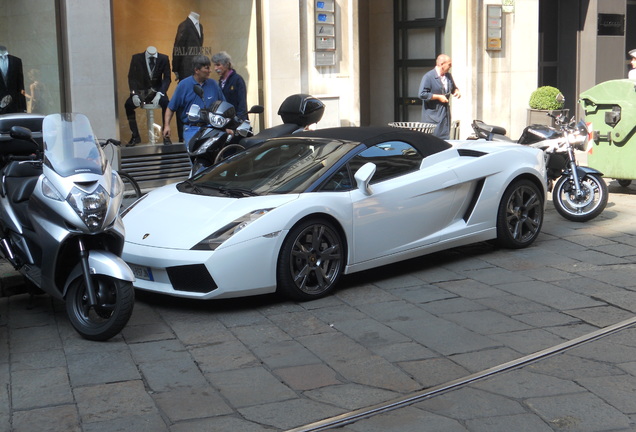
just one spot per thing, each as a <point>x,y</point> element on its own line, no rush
<point>535,133</point>
<point>10,146</point>
<point>301,109</point>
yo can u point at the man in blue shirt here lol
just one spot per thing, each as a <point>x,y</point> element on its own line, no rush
<point>184,96</point>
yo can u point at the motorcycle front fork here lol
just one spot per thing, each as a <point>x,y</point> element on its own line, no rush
<point>90,286</point>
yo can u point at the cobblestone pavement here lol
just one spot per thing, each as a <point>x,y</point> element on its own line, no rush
<point>266,364</point>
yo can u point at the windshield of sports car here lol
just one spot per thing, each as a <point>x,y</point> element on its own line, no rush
<point>280,166</point>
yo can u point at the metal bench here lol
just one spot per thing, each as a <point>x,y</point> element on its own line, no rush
<point>153,166</point>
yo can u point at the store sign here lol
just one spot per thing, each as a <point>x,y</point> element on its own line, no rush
<point>494,28</point>
<point>325,33</point>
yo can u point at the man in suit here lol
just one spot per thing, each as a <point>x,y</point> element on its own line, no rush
<point>12,99</point>
<point>148,80</point>
<point>187,45</point>
<point>436,88</point>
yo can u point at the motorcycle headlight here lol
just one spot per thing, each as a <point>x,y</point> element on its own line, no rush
<point>218,121</point>
<point>579,137</point>
<point>217,238</point>
<point>90,207</point>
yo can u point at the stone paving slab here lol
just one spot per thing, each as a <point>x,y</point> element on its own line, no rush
<point>266,364</point>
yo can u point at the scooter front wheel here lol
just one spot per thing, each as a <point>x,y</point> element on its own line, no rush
<point>582,207</point>
<point>115,299</point>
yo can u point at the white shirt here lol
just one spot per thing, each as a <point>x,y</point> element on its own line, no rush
<point>4,65</point>
<point>148,62</point>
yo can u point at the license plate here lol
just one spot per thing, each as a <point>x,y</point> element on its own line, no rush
<point>141,272</point>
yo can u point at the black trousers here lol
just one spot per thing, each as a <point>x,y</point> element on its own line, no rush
<point>130,113</point>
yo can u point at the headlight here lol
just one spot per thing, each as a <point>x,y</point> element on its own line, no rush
<point>90,207</point>
<point>215,240</point>
<point>218,121</point>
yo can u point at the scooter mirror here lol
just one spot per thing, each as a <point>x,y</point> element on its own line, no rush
<point>256,109</point>
<point>20,132</point>
<point>198,90</point>
<point>560,98</point>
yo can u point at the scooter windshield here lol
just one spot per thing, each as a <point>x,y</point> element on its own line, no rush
<point>70,147</point>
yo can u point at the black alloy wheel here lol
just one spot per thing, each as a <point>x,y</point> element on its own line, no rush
<point>520,215</point>
<point>311,260</point>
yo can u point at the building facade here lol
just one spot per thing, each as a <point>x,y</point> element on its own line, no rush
<point>363,58</point>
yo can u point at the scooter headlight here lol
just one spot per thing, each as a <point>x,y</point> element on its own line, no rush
<point>218,121</point>
<point>91,207</point>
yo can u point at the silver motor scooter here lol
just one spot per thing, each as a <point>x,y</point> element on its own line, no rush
<point>60,223</point>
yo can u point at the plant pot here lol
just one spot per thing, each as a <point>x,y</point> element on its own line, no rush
<point>541,116</point>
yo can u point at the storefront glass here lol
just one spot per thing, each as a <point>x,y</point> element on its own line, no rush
<point>228,25</point>
<point>29,31</point>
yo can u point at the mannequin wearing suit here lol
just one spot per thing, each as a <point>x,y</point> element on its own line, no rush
<point>148,80</point>
<point>187,45</point>
<point>11,83</point>
<point>436,88</point>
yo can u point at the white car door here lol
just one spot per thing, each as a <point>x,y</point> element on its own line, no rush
<point>405,211</point>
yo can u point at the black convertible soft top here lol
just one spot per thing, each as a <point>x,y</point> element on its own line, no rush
<point>426,144</point>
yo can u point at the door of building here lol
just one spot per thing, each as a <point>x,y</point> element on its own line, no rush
<point>419,27</point>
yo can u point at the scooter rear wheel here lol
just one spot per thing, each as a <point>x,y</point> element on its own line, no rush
<point>115,299</point>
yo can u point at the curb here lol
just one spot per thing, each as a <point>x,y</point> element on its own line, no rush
<point>11,281</point>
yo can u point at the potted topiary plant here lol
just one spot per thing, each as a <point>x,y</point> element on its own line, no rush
<point>544,100</point>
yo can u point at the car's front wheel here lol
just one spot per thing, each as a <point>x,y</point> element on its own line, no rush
<point>311,260</point>
<point>520,215</point>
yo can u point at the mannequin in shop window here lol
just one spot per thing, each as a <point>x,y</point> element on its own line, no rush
<point>187,45</point>
<point>12,99</point>
<point>148,80</point>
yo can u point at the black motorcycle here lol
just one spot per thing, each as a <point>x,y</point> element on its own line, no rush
<point>221,134</point>
<point>579,193</point>
<point>217,124</point>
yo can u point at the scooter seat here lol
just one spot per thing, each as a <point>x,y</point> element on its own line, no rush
<point>20,179</point>
<point>489,129</point>
<point>273,132</point>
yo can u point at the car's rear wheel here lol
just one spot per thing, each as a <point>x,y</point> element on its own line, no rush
<point>311,260</point>
<point>520,215</point>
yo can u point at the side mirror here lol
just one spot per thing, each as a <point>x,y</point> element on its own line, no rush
<point>363,176</point>
<point>198,90</point>
<point>560,98</point>
<point>256,109</point>
<point>21,133</point>
<point>194,113</point>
